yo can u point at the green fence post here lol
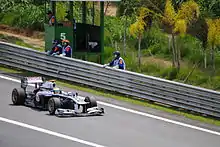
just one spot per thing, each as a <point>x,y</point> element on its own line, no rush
<point>102,31</point>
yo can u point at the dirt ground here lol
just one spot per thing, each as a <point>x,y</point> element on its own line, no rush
<point>111,10</point>
<point>23,32</point>
<point>33,38</point>
<point>158,61</point>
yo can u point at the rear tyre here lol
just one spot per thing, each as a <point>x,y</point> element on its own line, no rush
<point>18,96</point>
<point>53,104</point>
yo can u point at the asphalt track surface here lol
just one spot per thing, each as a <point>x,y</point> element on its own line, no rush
<point>116,128</point>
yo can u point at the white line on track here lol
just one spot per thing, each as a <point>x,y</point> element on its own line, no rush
<point>49,132</point>
<point>141,113</point>
<point>160,118</point>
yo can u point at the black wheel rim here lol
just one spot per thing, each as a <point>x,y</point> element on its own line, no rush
<point>14,97</point>
<point>51,106</point>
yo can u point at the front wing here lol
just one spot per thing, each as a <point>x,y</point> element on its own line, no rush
<point>94,111</point>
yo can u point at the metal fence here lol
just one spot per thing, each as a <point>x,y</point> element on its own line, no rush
<point>125,82</point>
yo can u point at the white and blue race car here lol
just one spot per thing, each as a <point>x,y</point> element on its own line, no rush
<point>46,96</point>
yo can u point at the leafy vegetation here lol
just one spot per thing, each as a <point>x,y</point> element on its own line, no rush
<point>22,13</point>
<point>173,39</point>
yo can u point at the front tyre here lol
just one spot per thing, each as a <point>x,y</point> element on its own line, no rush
<point>18,96</point>
<point>92,102</point>
<point>53,104</point>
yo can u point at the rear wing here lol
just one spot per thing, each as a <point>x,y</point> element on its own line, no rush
<point>31,80</point>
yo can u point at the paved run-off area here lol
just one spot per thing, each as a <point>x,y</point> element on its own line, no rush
<point>117,128</point>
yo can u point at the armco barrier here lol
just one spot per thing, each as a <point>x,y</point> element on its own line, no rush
<point>125,82</point>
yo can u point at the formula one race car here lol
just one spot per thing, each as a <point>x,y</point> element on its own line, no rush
<point>46,96</point>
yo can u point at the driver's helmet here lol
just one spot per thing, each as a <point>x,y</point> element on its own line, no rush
<point>56,90</point>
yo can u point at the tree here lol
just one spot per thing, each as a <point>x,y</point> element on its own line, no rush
<point>178,22</point>
<point>209,8</point>
<point>137,29</point>
<point>199,29</point>
<point>126,9</point>
<point>114,30</point>
<point>213,37</point>
<point>153,5</point>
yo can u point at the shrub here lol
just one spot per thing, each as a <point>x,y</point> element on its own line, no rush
<point>25,16</point>
<point>191,48</point>
<point>155,41</point>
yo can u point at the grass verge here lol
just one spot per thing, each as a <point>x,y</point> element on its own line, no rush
<point>119,97</point>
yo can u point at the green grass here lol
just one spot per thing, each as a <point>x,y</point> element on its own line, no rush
<point>21,43</point>
<point>10,39</point>
<point>8,70</point>
<point>119,97</point>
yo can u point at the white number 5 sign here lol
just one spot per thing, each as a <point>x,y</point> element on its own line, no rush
<point>63,36</point>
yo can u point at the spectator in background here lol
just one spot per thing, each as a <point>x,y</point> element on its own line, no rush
<point>67,50</point>
<point>56,49</point>
<point>117,62</point>
<point>51,18</point>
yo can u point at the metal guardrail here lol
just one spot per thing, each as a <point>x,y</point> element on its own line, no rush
<point>125,82</point>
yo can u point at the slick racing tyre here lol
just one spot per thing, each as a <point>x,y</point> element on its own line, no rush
<point>92,102</point>
<point>53,104</point>
<point>18,96</point>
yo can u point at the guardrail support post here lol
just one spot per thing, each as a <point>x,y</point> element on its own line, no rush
<point>102,31</point>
